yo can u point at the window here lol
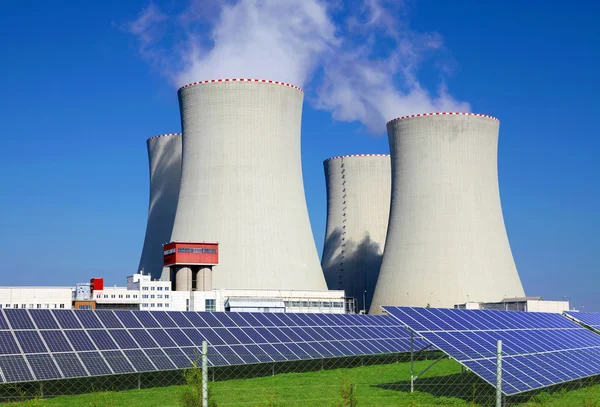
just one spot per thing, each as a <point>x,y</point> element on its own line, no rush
<point>38,306</point>
<point>55,307</point>
<point>158,295</point>
<point>159,288</point>
<point>127,296</point>
<point>134,295</point>
<point>326,304</point>
<point>47,305</point>
<point>152,305</point>
<point>145,296</point>
<point>0,305</point>
<point>315,304</point>
<point>24,306</point>
<point>152,288</point>
<point>190,250</point>
<point>167,305</point>
<point>159,305</point>
<point>144,288</point>
<point>166,288</point>
<point>97,295</point>
<point>296,304</point>
<point>85,307</point>
<point>30,305</point>
<point>338,304</point>
<point>152,296</point>
<point>120,295</point>
<point>210,305</point>
<point>304,304</point>
<point>62,305</point>
<point>15,305</point>
<point>112,296</point>
<point>166,295</point>
<point>145,305</point>
<point>105,295</point>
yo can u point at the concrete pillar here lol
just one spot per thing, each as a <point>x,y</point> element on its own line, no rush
<point>183,279</point>
<point>204,279</point>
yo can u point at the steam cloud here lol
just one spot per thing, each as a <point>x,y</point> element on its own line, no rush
<point>361,59</point>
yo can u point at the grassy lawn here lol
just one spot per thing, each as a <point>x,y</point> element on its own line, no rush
<point>377,386</point>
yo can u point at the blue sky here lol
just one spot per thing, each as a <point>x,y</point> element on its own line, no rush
<point>81,95</point>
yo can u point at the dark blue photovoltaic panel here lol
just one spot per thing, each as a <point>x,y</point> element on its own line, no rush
<point>272,352</point>
<point>210,319</point>
<point>194,354</point>
<point>143,338</point>
<point>180,319</point>
<point>248,317</point>
<point>128,319</point>
<point>18,318</point>
<point>94,363</point>
<point>158,357</point>
<point>194,318</point>
<point>223,318</point>
<point>117,361</point>
<point>56,341</point>
<point>139,360</point>
<point>3,323</point>
<point>179,337</point>
<point>43,319</point>
<point>259,353</point>
<point>66,319</point>
<point>30,342</point>
<point>178,357</point>
<point>244,354</point>
<point>195,336</point>
<point>8,345</point>
<point>43,367</point>
<point>123,339</point>
<point>70,365</point>
<point>161,337</point>
<point>163,319</point>
<point>226,336</point>
<point>591,319</point>
<point>109,319</point>
<point>539,349</point>
<point>15,369</point>
<point>88,318</point>
<point>102,340</point>
<point>211,337</point>
<point>240,335</point>
<point>146,318</point>
<point>230,356</point>
<point>80,340</point>
<point>238,318</point>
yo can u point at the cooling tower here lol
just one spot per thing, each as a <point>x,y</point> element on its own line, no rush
<point>164,157</point>
<point>358,206</point>
<point>446,242</point>
<point>241,184</point>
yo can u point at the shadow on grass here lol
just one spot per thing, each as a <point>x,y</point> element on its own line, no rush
<point>465,386</point>
<point>472,389</point>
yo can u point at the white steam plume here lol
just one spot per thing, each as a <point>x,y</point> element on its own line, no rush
<point>361,59</point>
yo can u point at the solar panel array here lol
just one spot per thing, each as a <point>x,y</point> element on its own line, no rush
<point>55,344</point>
<point>539,349</point>
<point>591,319</point>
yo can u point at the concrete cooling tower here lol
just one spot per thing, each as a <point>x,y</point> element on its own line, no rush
<point>241,184</point>
<point>164,156</point>
<point>446,241</point>
<point>358,206</point>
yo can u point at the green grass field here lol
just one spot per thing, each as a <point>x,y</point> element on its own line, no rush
<point>377,386</point>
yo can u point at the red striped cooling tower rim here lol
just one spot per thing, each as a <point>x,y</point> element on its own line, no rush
<point>164,135</point>
<point>240,80</point>
<point>356,155</point>
<point>443,114</point>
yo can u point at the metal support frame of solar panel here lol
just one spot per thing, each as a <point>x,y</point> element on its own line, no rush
<point>539,349</point>
<point>591,319</point>
<point>56,344</point>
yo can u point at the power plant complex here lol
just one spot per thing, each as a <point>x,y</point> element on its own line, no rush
<point>358,206</point>
<point>421,226</point>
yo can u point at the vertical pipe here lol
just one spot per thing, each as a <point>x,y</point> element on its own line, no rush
<point>412,362</point>
<point>204,374</point>
<point>499,374</point>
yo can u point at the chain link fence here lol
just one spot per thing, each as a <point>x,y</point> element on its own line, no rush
<point>425,378</point>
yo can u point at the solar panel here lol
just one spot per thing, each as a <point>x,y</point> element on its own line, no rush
<point>539,349</point>
<point>591,319</point>
<point>52,344</point>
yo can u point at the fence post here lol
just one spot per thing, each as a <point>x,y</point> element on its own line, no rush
<point>499,374</point>
<point>204,374</point>
<point>412,370</point>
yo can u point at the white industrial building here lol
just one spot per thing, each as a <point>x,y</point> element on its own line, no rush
<point>446,241</point>
<point>36,297</point>
<point>524,304</point>
<point>242,187</point>
<point>164,159</point>
<point>358,207</point>
<point>155,295</point>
